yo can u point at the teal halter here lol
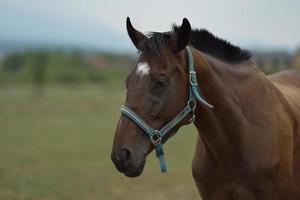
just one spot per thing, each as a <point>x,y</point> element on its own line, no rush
<point>157,135</point>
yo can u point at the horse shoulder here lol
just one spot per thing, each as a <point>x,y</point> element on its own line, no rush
<point>288,82</point>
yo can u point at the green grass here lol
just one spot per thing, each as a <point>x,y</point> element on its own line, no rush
<point>57,147</point>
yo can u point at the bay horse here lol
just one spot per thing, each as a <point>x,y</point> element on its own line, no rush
<point>248,144</point>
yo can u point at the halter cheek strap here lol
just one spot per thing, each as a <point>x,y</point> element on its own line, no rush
<point>157,135</point>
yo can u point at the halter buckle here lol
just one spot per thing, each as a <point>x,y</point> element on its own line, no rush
<point>193,78</point>
<point>155,137</point>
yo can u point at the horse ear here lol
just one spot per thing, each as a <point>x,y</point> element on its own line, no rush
<point>182,36</point>
<point>135,36</point>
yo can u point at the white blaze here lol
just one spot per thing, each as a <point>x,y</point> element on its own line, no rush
<point>142,69</point>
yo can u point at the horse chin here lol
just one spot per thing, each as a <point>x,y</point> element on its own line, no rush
<point>135,172</point>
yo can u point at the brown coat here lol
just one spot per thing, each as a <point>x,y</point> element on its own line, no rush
<point>248,146</point>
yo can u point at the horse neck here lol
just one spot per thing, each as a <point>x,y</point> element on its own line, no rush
<point>220,128</point>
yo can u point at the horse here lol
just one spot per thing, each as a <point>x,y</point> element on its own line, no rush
<point>248,144</point>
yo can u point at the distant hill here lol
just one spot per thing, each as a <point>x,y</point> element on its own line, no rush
<point>20,30</point>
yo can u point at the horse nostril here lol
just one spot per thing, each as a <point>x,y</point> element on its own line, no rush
<point>125,155</point>
<point>122,160</point>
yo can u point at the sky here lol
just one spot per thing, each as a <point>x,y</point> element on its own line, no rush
<point>101,23</point>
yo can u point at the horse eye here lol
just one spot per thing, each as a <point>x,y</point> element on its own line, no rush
<point>160,83</point>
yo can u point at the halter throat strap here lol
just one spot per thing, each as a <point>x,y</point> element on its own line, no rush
<point>156,136</point>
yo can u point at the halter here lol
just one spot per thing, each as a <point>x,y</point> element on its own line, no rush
<point>156,136</point>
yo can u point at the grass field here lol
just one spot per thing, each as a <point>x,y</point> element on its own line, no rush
<point>57,147</point>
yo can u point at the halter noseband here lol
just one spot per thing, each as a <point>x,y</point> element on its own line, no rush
<point>157,135</point>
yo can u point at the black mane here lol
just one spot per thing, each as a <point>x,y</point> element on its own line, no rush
<point>212,45</point>
<point>202,40</point>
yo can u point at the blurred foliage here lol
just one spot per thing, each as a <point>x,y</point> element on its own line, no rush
<point>51,67</point>
<point>297,59</point>
<point>273,61</point>
<point>48,67</point>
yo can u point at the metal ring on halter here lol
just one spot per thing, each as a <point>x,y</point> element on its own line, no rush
<point>155,137</point>
<point>192,104</point>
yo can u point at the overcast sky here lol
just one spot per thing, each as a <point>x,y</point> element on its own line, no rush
<point>252,23</point>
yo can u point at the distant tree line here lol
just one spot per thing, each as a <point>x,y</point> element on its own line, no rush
<point>58,67</point>
<point>41,67</point>
<point>271,62</point>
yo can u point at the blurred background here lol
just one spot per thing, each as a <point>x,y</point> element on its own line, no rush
<point>62,70</point>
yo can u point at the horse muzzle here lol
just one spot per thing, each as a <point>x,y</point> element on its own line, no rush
<point>126,164</point>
